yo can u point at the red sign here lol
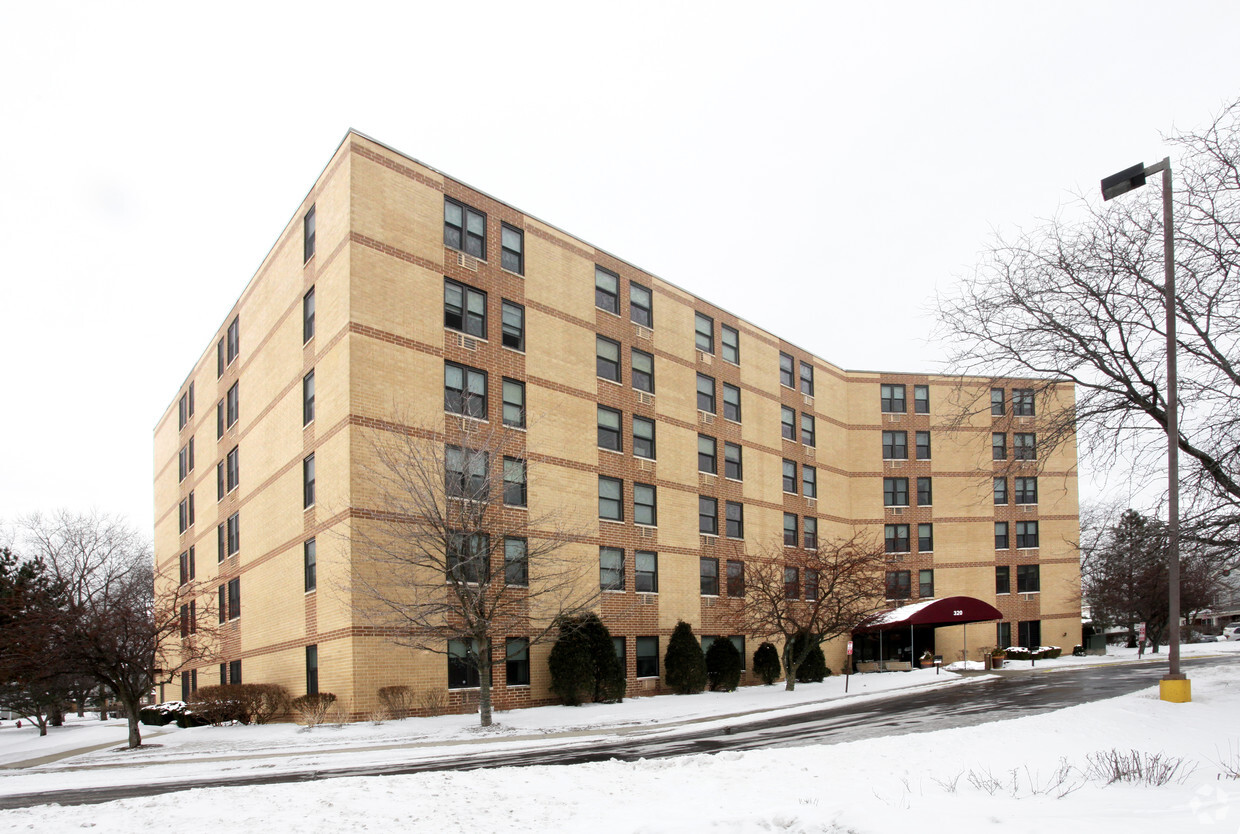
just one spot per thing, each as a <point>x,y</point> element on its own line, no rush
<point>1140,631</point>
<point>850,647</point>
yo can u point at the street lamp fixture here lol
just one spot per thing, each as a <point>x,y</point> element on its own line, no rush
<point>1174,686</point>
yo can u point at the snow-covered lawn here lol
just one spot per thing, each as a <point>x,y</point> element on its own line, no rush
<point>927,782</point>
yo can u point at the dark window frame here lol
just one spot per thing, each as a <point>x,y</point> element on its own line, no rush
<point>513,411</point>
<point>729,344</point>
<point>606,298</point>
<point>464,401</point>
<point>617,500</point>
<point>467,239</point>
<point>611,569</point>
<point>644,442</point>
<point>459,315</point>
<point>708,576</point>
<point>610,436</point>
<point>307,236</point>
<point>606,367</point>
<point>639,312</point>
<point>892,398</point>
<point>511,258</point>
<point>895,492</point>
<point>704,339</point>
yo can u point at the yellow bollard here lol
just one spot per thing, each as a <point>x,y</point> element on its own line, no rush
<point>1176,691</point>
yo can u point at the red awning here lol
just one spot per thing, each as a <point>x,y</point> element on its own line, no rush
<point>934,613</point>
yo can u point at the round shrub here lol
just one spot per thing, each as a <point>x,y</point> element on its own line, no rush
<point>723,665</point>
<point>766,663</point>
<point>814,667</point>
<point>684,665</point>
<point>583,663</point>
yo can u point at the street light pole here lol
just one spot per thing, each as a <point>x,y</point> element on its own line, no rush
<point>1175,686</point>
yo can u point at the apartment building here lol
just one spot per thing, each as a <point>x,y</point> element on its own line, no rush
<point>682,437</point>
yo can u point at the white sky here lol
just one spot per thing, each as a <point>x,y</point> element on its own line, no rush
<point>817,169</point>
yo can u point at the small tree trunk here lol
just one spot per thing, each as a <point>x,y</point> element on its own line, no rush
<point>131,713</point>
<point>42,722</point>
<point>790,671</point>
<point>484,688</point>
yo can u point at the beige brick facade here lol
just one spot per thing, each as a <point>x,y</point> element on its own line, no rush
<point>378,349</point>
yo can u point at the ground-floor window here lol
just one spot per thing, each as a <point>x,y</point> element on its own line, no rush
<point>462,664</point>
<point>621,654</point>
<point>517,661</point>
<point>234,672</point>
<point>647,657</point>
<point>1031,633</point>
<point>1005,635</point>
<point>312,670</point>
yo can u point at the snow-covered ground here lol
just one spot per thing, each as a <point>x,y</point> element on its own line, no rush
<point>995,776</point>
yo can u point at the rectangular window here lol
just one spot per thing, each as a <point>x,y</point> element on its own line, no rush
<point>787,423</point>
<point>464,228</point>
<point>234,339</point>
<point>709,573</point>
<point>1026,490</point>
<point>514,482</point>
<point>708,460</point>
<point>1001,535</point>
<point>514,403</point>
<point>996,402</point>
<point>307,316</point>
<point>307,398</point>
<point>182,516</point>
<point>1001,495</point>
<point>809,481</point>
<point>190,449</point>
<point>182,412</point>
<point>221,542</point>
<point>190,501</point>
<point>732,461</point>
<point>219,419</point>
<point>645,505</point>
<point>643,371</point>
<point>921,399</point>
<point>998,446</point>
<point>463,665</point>
<point>234,598</point>
<point>232,468</point>
<point>786,366</point>
<point>734,517</point>
<point>234,671</point>
<point>609,425</point>
<point>1026,534</point>
<point>184,560</point>
<point>234,404</point>
<point>182,464</point>
<point>790,476</point>
<point>647,652</point>
<point>464,308</point>
<point>307,472</point>
<point>466,473</point>
<point>811,585</point>
<point>1028,579</point>
<point>646,575</point>
<point>234,534</point>
<point>730,339</point>
<point>1024,446</point>
<point>310,565</point>
<point>736,578</point>
<point>219,481</point>
<point>611,569</point>
<point>706,393</point>
<point>792,583</point>
<point>731,402</point>
<point>312,670</point>
<point>807,429</point>
<point>222,609</point>
<point>464,390</point>
<point>895,445</point>
<point>895,492</point>
<point>1022,402</point>
<point>607,358</point>
<point>191,563</point>
<point>896,538</point>
<point>617,644</point>
<point>1003,634</point>
<point>898,584</point>
<point>643,437</point>
<point>610,498</point>
<point>922,439</point>
<point>606,290</point>
<point>512,249</point>
<point>708,515</point>
<point>892,399</point>
<point>809,526</point>
<point>1003,579</point>
<point>517,661</point>
<point>925,496</point>
<point>468,558</point>
<point>1030,633</point>
<point>307,236</point>
<point>641,305</point>
<point>925,538</point>
<point>513,325</point>
<point>704,333</point>
<point>219,358</point>
<point>790,529</point>
<point>807,379</point>
<point>925,584</point>
<point>191,399</point>
<point>516,562</point>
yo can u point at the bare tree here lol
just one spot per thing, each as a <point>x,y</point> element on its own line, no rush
<point>116,631</point>
<point>1125,576</point>
<point>816,594</point>
<point>1081,300</point>
<point>452,560</point>
<point>35,680</point>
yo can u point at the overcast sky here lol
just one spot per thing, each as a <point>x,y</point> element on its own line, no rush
<point>818,169</point>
